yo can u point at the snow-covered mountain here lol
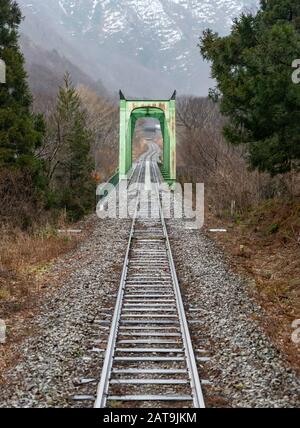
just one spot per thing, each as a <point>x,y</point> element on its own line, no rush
<point>146,47</point>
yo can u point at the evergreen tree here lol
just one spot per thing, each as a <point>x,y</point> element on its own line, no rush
<point>253,69</point>
<point>21,132</point>
<point>72,170</point>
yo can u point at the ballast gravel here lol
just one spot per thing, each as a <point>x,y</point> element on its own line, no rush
<point>65,357</point>
<point>61,363</point>
<point>245,369</point>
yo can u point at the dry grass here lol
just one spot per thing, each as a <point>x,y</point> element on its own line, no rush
<point>25,277</point>
<point>24,258</point>
<point>265,244</point>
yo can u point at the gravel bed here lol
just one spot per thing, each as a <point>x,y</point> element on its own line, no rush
<point>245,369</point>
<point>72,325</point>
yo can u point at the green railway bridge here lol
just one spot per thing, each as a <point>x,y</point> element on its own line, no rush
<point>162,110</point>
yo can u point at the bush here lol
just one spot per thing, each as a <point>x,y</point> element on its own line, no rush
<point>21,204</point>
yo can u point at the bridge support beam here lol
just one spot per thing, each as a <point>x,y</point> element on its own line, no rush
<point>123,141</point>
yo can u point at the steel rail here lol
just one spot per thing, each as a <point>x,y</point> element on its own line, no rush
<point>188,347</point>
<point>133,323</point>
<point>103,386</point>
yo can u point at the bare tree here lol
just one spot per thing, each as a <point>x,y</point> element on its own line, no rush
<point>206,157</point>
<point>103,119</point>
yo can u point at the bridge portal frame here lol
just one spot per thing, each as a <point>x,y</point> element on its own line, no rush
<point>133,110</point>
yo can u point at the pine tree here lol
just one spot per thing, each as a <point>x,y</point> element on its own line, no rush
<point>253,69</point>
<point>21,132</point>
<point>72,170</point>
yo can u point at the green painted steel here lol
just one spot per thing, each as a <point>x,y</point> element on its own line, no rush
<point>162,110</point>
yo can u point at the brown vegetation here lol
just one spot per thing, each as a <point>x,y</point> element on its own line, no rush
<point>103,120</point>
<point>205,156</point>
<point>20,204</point>
<point>25,275</point>
<point>261,214</point>
<point>24,258</point>
<point>264,244</point>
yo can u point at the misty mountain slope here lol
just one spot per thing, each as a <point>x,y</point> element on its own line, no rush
<point>146,47</point>
<point>46,70</point>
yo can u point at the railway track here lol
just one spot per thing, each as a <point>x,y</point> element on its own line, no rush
<point>149,359</point>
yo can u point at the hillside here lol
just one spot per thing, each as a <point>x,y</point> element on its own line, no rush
<point>149,43</point>
<point>46,69</point>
